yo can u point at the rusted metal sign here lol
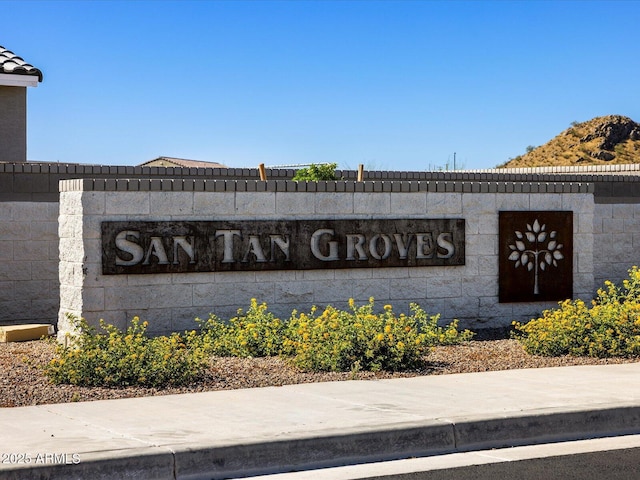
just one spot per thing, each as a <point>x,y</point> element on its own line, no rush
<point>535,256</point>
<point>206,246</point>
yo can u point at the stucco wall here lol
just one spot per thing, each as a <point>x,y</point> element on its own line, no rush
<point>172,301</point>
<point>13,124</point>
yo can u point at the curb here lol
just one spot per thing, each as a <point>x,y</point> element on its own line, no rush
<point>404,441</point>
<point>334,448</point>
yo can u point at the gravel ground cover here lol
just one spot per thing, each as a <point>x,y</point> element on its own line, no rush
<point>22,382</point>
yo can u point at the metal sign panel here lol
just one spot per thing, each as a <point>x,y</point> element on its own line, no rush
<point>535,256</point>
<point>205,246</point>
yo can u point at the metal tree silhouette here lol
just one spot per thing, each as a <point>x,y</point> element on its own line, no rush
<point>539,255</point>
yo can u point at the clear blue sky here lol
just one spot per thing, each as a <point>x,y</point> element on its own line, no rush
<point>398,85</point>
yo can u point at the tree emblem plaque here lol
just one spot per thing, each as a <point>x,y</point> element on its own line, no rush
<point>536,256</point>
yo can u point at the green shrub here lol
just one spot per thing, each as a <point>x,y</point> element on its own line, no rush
<point>130,357</point>
<point>256,333</point>
<point>315,173</point>
<point>334,340</point>
<point>610,327</point>
<point>358,339</point>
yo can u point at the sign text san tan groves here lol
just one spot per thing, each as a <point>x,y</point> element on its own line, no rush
<point>139,247</point>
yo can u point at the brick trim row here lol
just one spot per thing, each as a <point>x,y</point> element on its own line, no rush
<point>41,182</point>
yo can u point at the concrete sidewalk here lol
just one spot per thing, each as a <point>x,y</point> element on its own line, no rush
<point>297,427</point>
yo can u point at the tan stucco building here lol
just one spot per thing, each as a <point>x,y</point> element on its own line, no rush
<point>181,163</point>
<point>15,76</point>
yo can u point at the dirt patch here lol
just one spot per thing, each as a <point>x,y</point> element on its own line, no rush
<point>22,382</point>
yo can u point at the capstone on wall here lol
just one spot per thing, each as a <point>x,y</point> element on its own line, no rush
<point>171,302</point>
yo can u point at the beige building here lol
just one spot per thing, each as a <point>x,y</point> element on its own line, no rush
<point>15,76</point>
<point>181,163</point>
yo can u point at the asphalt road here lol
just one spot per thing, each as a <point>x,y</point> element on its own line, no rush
<point>607,465</point>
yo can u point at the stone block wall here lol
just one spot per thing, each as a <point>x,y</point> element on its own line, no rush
<point>29,287</point>
<point>171,301</point>
<point>616,229</point>
<point>29,204</point>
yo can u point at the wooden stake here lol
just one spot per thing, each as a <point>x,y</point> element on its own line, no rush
<point>360,172</point>
<point>263,173</point>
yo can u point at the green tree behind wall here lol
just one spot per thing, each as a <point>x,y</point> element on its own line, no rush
<point>315,173</point>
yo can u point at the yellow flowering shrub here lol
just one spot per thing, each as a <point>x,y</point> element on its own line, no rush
<point>359,339</point>
<point>331,340</point>
<point>609,327</point>
<point>130,357</point>
<point>256,333</point>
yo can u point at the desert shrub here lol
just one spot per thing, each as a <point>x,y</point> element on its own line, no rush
<point>609,327</point>
<point>358,339</point>
<point>333,340</point>
<point>314,173</point>
<point>130,357</point>
<point>256,333</point>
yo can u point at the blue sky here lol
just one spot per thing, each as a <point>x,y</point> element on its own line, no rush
<point>395,85</point>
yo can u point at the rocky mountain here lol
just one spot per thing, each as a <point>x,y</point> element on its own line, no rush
<point>600,141</point>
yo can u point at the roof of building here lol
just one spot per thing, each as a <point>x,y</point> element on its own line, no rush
<point>12,64</point>
<point>180,162</point>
